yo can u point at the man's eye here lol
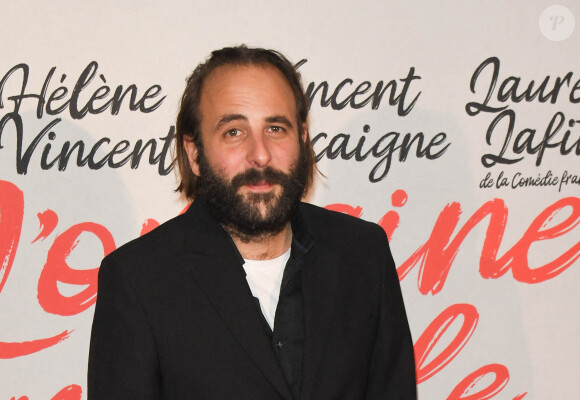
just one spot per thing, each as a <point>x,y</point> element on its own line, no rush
<point>232,132</point>
<point>276,129</point>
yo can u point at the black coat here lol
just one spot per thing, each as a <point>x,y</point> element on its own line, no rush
<point>175,318</point>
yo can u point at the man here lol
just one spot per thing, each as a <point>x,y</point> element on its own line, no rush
<point>250,294</point>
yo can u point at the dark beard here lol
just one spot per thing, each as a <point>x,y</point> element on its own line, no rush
<point>240,215</point>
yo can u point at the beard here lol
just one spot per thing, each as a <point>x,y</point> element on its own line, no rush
<point>252,215</point>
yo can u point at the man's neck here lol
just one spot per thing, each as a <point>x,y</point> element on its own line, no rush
<point>264,247</point>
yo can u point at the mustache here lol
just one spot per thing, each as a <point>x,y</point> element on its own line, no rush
<point>255,176</point>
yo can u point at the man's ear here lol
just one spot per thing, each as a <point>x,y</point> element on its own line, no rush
<point>304,132</point>
<point>191,150</point>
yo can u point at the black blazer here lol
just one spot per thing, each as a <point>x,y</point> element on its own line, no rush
<point>175,318</point>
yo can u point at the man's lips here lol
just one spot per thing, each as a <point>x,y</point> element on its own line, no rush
<point>262,186</point>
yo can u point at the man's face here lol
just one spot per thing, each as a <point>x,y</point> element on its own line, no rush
<point>251,165</point>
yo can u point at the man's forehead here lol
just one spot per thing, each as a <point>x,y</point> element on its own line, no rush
<point>231,85</point>
<point>236,67</point>
<point>233,73</point>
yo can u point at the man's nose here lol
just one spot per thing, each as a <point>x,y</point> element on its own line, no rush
<point>258,151</point>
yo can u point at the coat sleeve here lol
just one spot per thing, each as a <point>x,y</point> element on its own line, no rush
<point>123,361</point>
<point>392,369</point>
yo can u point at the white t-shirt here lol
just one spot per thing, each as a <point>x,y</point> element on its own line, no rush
<point>265,278</point>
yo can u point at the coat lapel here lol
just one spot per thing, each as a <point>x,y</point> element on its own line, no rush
<point>319,292</point>
<point>215,266</point>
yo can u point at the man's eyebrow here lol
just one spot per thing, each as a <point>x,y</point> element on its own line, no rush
<point>224,119</point>
<point>279,119</point>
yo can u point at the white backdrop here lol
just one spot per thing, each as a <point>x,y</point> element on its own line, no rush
<point>489,264</point>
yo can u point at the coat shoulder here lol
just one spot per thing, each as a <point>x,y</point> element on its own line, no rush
<point>160,243</point>
<point>320,219</point>
<point>334,226</point>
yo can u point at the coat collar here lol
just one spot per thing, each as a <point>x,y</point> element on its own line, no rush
<point>216,266</point>
<point>202,229</point>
